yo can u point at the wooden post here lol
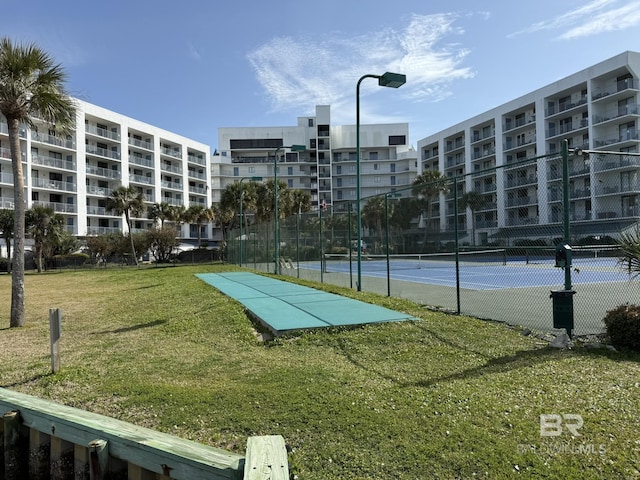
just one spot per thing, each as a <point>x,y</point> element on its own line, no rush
<point>80,462</point>
<point>61,459</point>
<point>98,460</point>
<point>55,329</point>
<point>39,449</point>
<point>16,465</point>
<point>266,458</point>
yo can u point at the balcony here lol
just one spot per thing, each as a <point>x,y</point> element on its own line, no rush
<point>198,190</point>
<point>102,132</point>
<point>171,168</point>
<point>172,185</point>
<point>520,201</point>
<point>143,162</point>
<point>95,210</point>
<point>102,230</point>
<point>53,184</point>
<point>6,203</point>
<point>102,152</point>
<point>53,140</point>
<point>615,87</point>
<point>617,162</point>
<point>6,178</point>
<point>102,172</point>
<point>99,191</point>
<point>141,143</point>
<point>517,182</point>
<point>198,175</point>
<point>141,179</point>
<point>171,152</point>
<point>616,112</point>
<point>48,161</point>
<point>196,159</point>
<point>58,207</point>
<point>514,222</point>
<point>484,153</point>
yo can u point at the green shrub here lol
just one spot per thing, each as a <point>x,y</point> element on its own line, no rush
<point>4,264</point>
<point>623,326</point>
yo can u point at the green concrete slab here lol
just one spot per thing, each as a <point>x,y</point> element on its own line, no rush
<point>286,306</point>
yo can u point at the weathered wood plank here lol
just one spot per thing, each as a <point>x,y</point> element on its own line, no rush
<point>61,459</point>
<point>98,459</point>
<point>80,462</point>
<point>187,460</point>
<point>2,447</point>
<point>39,455</point>
<point>55,332</point>
<point>16,448</point>
<point>266,458</point>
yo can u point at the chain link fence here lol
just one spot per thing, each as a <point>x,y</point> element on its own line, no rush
<point>483,243</point>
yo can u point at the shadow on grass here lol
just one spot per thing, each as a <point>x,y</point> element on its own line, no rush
<point>132,328</point>
<point>34,378</point>
<point>493,365</point>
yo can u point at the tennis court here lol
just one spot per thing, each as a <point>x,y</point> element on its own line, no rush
<point>483,270</point>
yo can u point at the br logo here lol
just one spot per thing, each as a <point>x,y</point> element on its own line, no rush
<point>552,425</point>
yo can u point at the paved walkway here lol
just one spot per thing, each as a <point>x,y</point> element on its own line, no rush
<point>286,306</point>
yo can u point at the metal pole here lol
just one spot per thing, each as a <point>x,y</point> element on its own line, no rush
<point>386,221</point>
<point>298,241</point>
<point>565,201</point>
<point>350,240</point>
<point>321,249</point>
<point>455,222</point>
<point>275,210</point>
<point>241,221</point>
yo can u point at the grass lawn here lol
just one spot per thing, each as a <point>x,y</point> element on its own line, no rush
<point>442,397</point>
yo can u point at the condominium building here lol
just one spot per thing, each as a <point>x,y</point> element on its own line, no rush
<point>326,168</point>
<point>596,110</point>
<point>75,174</point>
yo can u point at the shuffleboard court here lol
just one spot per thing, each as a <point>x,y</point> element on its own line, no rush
<point>283,306</point>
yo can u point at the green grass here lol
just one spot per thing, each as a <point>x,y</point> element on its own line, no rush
<point>441,397</point>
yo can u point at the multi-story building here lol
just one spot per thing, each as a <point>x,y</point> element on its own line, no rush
<point>75,174</point>
<point>596,110</point>
<point>326,169</point>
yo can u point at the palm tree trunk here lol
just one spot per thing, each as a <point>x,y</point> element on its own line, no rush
<point>17,273</point>
<point>133,248</point>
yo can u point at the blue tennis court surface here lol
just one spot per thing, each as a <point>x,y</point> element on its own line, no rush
<point>286,306</point>
<point>489,276</point>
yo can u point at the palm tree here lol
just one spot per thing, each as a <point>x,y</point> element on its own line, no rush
<point>6,226</point>
<point>299,201</point>
<point>46,227</point>
<point>199,215</point>
<point>630,251</point>
<point>31,86</point>
<point>129,202</point>
<point>429,185</point>
<point>373,215</point>
<point>474,201</point>
<point>159,212</point>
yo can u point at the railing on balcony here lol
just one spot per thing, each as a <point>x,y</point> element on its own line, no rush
<point>7,203</point>
<point>102,230</point>
<point>48,161</point>
<point>95,210</point>
<point>58,206</point>
<point>173,185</point>
<point>198,175</point>
<point>53,184</point>
<point>199,190</point>
<point>143,162</point>
<point>196,159</point>
<point>617,112</point>
<point>171,152</point>
<point>53,140</point>
<point>6,178</point>
<point>171,168</point>
<point>141,143</point>
<point>99,191</point>
<point>102,132</point>
<point>103,152</point>
<point>141,179</point>
<point>102,172</point>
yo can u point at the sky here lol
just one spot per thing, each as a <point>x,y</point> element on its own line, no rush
<point>194,66</point>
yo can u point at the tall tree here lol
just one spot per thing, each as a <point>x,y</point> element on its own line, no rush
<point>129,202</point>
<point>46,227</point>
<point>6,227</point>
<point>199,215</point>
<point>160,212</point>
<point>31,86</point>
<point>428,186</point>
<point>373,215</point>
<point>474,201</point>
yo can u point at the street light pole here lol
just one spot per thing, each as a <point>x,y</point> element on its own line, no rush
<point>388,79</point>
<point>276,226</point>
<point>255,179</point>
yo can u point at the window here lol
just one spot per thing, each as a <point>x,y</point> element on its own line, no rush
<point>310,122</point>
<point>373,155</point>
<point>339,170</point>
<point>252,169</point>
<point>393,179</point>
<point>236,171</point>
<point>392,168</point>
<point>290,182</point>
<point>397,139</point>
<point>376,179</point>
<point>289,170</point>
<point>376,166</point>
<point>262,143</point>
<point>339,182</point>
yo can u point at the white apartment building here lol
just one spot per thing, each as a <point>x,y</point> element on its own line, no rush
<point>326,169</point>
<point>74,175</point>
<point>596,109</point>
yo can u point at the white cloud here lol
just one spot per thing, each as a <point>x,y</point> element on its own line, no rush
<point>591,19</point>
<point>193,52</point>
<point>302,73</point>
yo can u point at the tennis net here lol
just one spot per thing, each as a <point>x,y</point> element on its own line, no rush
<point>373,262</point>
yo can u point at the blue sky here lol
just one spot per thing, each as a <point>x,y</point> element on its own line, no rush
<point>197,65</point>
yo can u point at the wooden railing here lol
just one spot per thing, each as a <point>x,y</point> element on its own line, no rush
<point>40,439</point>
